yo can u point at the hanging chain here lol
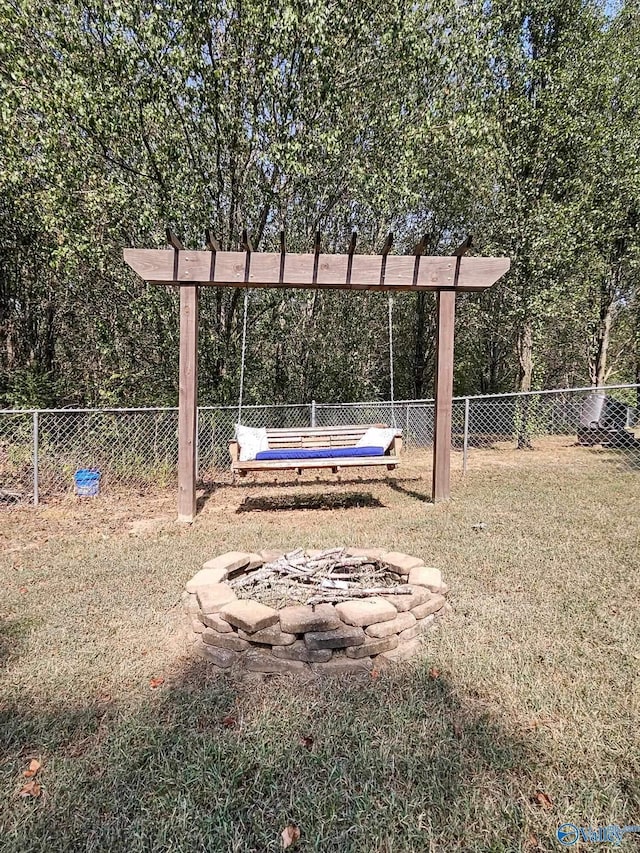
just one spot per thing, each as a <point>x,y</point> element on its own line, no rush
<point>244,351</point>
<point>393,410</point>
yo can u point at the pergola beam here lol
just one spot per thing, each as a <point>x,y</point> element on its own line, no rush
<point>350,271</point>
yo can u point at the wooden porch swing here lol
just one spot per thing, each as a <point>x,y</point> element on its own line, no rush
<point>418,272</point>
<point>329,447</point>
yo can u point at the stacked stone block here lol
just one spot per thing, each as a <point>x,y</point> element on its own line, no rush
<point>352,636</point>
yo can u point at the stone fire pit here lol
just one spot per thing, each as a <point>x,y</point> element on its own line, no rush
<point>335,611</point>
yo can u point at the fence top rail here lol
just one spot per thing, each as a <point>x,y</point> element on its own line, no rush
<point>304,406</point>
<point>87,411</point>
<point>591,388</point>
<point>262,406</point>
<point>430,400</point>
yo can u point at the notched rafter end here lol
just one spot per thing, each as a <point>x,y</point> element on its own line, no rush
<point>173,240</point>
<point>212,243</point>
<point>388,243</point>
<point>246,242</point>
<point>421,247</point>
<point>464,247</point>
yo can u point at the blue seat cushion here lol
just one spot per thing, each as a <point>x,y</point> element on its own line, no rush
<point>318,453</point>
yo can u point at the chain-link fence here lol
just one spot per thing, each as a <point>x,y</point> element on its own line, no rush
<point>606,419</point>
<point>41,451</point>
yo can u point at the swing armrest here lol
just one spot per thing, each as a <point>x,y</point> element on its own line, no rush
<point>396,446</point>
<point>234,451</point>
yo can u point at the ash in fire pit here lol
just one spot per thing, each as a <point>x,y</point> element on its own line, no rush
<point>338,610</point>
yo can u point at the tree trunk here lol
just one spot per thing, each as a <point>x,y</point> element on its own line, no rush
<point>602,335</point>
<point>525,357</point>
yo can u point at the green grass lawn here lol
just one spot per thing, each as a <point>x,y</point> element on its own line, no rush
<point>531,684</point>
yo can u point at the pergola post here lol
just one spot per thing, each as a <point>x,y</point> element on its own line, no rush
<point>446,312</point>
<point>187,403</point>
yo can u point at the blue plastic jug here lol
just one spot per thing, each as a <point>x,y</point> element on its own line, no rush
<point>87,482</point>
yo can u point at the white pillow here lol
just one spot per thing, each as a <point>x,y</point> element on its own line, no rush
<point>376,437</point>
<point>251,442</point>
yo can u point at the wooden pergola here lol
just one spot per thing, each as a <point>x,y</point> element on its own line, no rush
<point>190,270</point>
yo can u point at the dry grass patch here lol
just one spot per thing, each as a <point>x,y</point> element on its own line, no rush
<point>530,685</point>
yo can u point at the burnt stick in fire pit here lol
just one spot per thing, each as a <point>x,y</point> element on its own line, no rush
<point>346,594</point>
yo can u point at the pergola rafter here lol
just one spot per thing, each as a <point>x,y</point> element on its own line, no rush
<point>190,270</point>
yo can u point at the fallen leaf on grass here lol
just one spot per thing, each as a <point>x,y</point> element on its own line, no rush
<point>375,673</point>
<point>290,835</point>
<point>156,682</point>
<point>457,729</point>
<point>23,590</point>
<point>31,789</point>
<point>532,841</point>
<point>307,741</point>
<point>434,673</point>
<point>33,768</point>
<point>229,721</point>
<point>542,799</point>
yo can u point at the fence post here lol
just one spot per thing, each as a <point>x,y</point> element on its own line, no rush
<point>406,425</point>
<point>465,444</point>
<point>313,413</point>
<point>197,443</point>
<point>36,496</point>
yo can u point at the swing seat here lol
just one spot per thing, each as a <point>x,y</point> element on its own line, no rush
<point>318,447</point>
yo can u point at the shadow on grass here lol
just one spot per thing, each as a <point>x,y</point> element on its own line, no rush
<point>209,488</point>
<point>313,501</point>
<point>12,635</point>
<point>627,457</point>
<point>424,497</point>
<point>397,763</point>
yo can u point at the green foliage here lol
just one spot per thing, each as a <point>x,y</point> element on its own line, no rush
<point>515,121</point>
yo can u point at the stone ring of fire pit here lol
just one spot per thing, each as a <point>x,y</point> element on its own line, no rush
<point>340,610</point>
